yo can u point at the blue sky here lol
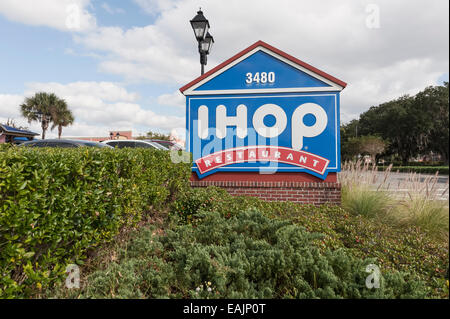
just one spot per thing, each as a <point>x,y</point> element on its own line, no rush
<point>122,67</point>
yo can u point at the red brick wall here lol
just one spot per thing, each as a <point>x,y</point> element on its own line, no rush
<point>257,177</point>
<point>316,193</point>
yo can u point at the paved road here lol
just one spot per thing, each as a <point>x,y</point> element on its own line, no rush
<point>402,183</point>
<point>395,178</point>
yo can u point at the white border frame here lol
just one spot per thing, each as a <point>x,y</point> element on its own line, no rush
<point>333,86</point>
<point>188,141</point>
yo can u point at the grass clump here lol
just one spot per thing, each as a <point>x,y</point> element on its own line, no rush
<point>366,202</point>
<point>415,201</point>
<point>430,215</point>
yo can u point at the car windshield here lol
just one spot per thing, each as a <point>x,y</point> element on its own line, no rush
<point>157,145</point>
<point>160,146</point>
<point>95,144</point>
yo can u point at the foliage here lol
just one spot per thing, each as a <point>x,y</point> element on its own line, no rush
<point>61,116</point>
<point>432,106</point>
<point>246,256</point>
<point>56,204</point>
<point>37,108</point>
<point>350,148</point>
<point>417,201</point>
<point>368,144</point>
<point>193,201</point>
<point>396,246</point>
<point>430,215</point>
<point>349,130</point>
<point>372,145</point>
<point>364,201</point>
<point>393,121</point>
<point>412,125</point>
<point>47,108</point>
<point>154,135</point>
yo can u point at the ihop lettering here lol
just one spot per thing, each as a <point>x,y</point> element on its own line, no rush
<point>298,132</point>
<point>263,153</point>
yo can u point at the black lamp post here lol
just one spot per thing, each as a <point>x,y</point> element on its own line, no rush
<point>200,25</point>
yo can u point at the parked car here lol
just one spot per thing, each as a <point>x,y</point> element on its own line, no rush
<point>62,143</point>
<point>167,144</point>
<point>134,144</point>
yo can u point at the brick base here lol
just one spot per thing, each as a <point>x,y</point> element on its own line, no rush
<point>316,193</point>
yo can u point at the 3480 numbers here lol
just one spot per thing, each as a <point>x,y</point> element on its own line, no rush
<point>260,77</point>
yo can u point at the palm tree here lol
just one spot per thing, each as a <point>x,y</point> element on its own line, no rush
<point>38,107</point>
<point>61,116</point>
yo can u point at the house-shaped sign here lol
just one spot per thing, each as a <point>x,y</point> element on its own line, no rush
<point>263,111</point>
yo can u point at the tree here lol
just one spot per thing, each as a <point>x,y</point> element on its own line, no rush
<point>157,136</point>
<point>372,145</point>
<point>350,141</point>
<point>350,148</point>
<point>61,116</point>
<point>38,108</point>
<point>431,106</point>
<point>395,122</point>
<point>414,125</point>
<point>350,130</point>
<point>47,108</point>
<point>409,125</point>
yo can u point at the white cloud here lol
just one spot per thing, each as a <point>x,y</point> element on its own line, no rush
<point>139,53</point>
<point>65,15</point>
<point>107,91</point>
<point>111,10</point>
<point>9,105</point>
<point>98,107</point>
<point>154,7</point>
<point>174,99</point>
<point>407,53</point>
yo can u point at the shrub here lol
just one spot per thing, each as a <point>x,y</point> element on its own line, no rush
<point>194,200</point>
<point>403,247</point>
<point>56,204</point>
<point>360,200</point>
<point>414,201</point>
<point>246,256</point>
<point>430,215</point>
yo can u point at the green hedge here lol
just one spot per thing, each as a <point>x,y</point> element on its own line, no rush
<point>417,169</point>
<point>56,204</point>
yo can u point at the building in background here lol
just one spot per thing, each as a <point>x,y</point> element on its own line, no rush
<point>113,135</point>
<point>9,134</point>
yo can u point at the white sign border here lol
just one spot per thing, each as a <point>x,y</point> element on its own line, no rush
<point>188,138</point>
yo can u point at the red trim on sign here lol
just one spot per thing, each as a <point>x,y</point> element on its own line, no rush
<point>260,153</point>
<point>273,49</point>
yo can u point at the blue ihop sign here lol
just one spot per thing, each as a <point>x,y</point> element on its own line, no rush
<point>265,111</point>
